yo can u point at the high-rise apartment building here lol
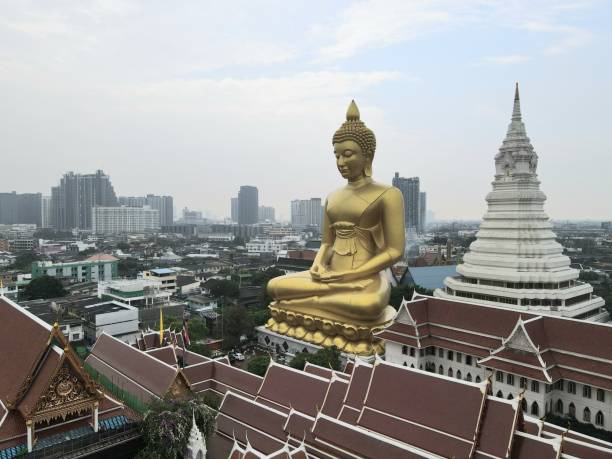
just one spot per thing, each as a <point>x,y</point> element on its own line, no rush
<point>117,220</point>
<point>422,211</point>
<point>165,205</point>
<point>76,195</point>
<point>306,212</point>
<point>234,210</point>
<point>410,190</point>
<point>266,213</point>
<point>20,208</point>
<point>248,205</point>
<point>45,212</point>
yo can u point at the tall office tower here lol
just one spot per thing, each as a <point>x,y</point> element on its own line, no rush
<point>76,195</point>
<point>422,211</point>
<point>20,208</point>
<point>45,212</point>
<point>306,212</point>
<point>248,205</point>
<point>234,211</point>
<point>515,261</point>
<point>410,190</point>
<point>266,213</point>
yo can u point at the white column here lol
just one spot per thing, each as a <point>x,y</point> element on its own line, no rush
<point>95,417</point>
<point>30,426</point>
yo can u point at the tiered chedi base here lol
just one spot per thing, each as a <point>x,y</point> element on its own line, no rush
<point>350,337</point>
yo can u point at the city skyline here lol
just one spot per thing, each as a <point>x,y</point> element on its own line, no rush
<point>113,91</point>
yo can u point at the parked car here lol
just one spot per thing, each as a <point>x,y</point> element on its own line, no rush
<point>238,356</point>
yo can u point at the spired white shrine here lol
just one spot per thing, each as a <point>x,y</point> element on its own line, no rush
<point>515,260</point>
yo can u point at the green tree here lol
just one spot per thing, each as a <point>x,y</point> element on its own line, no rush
<point>223,287</point>
<point>24,261</point>
<point>200,348</point>
<point>405,291</point>
<point>44,287</point>
<point>166,426</point>
<point>326,357</point>
<point>129,267</point>
<point>259,316</point>
<point>258,365</point>
<point>236,322</point>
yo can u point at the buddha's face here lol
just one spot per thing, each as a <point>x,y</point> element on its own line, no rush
<point>350,159</point>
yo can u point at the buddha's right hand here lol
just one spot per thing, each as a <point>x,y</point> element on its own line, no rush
<point>316,270</point>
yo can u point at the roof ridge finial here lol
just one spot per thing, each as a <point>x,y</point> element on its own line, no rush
<point>516,111</point>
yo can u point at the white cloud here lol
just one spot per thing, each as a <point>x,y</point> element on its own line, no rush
<point>567,37</point>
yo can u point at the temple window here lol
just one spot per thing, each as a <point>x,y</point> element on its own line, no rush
<point>468,360</point>
<point>468,377</point>
<point>450,372</point>
<point>586,415</point>
<point>458,374</point>
<point>499,394</point>
<point>450,355</point>
<point>586,391</point>
<point>599,418</point>
<point>510,379</point>
<point>412,352</point>
<point>559,407</point>
<point>535,386</point>
<point>572,410</point>
<point>571,387</point>
<point>510,396</point>
<point>441,370</point>
<point>499,376</point>
<point>523,383</point>
<point>440,352</point>
<point>601,395</point>
<point>478,379</point>
<point>535,409</point>
<point>459,356</point>
<point>404,349</point>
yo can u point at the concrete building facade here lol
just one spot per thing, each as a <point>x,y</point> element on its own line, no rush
<point>117,220</point>
<point>248,205</point>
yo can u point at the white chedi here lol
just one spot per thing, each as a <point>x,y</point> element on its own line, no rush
<point>516,261</point>
<point>196,446</point>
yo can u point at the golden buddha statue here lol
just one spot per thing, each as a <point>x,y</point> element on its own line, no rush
<point>344,296</point>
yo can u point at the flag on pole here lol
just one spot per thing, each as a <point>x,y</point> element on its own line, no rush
<point>185,333</point>
<point>161,327</point>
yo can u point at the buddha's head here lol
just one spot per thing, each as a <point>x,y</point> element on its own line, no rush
<point>354,146</point>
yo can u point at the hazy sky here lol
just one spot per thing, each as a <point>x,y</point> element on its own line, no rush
<point>194,99</point>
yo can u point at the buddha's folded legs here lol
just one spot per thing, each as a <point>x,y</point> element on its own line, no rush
<point>301,285</point>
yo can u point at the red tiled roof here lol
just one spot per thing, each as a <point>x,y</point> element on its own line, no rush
<point>293,388</point>
<point>165,354</point>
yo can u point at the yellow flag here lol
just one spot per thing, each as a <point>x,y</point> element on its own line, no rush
<point>161,327</point>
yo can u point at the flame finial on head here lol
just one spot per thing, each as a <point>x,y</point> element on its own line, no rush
<point>352,113</point>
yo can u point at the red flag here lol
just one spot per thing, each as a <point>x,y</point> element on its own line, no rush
<point>185,334</point>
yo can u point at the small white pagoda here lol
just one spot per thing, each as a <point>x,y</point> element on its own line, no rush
<point>515,261</point>
<point>196,446</point>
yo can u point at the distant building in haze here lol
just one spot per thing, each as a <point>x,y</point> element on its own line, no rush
<point>266,213</point>
<point>73,199</point>
<point>45,212</point>
<point>117,220</point>
<point>20,208</point>
<point>165,205</point>
<point>306,212</point>
<point>411,192</point>
<point>422,211</point>
<point>248,205</point>
<point>234,210</point>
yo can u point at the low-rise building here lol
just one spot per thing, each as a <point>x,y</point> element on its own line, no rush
<point>166,278</point>
<point>561,366</point>
<point>134,292</point>
<point>201,303</point>
<point>113,318</point>
<point>96,268</point>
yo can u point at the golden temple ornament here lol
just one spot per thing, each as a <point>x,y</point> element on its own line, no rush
<point>343,299</point>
